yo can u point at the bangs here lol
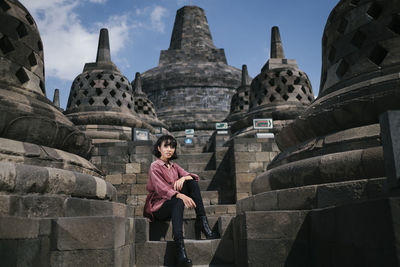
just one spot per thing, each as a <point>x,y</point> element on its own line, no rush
<point>170,142</point>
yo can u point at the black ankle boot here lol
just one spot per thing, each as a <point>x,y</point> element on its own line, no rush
<point>181,256</point>
<point>202,225</point>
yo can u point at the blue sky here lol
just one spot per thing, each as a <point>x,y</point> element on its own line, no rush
<point>139,29</point>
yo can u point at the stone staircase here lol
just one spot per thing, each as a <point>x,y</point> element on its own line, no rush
<point>154,241</point>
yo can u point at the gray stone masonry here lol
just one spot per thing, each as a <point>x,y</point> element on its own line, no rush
<point>192,85</point>
<point>390,132</point>
<point>281,91</point>
<point>249,158</point>
<point>78,241</point>
<point>101,96</point>
<point>362,234</point>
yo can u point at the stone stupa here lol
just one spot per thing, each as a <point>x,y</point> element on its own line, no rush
<point>101,101</point>
<point>50,195</point>
<point>144,107</point>
<point>192,85</point>
<point>241,99</point>
<point>329,182</point>
<point>281,91</point>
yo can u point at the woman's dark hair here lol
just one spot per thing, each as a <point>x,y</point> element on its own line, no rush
<point>169,140</point>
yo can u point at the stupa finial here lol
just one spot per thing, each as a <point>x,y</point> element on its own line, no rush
<point>137,85</point>
<point>103,50</point>
<point>245,75</point>
<point>276,44</point>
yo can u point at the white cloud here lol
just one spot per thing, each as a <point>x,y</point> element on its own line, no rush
<point>156,16</point>
<point>98,1</point>
<point>68,44</point>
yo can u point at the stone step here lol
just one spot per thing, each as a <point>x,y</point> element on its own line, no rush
<point>206,175</point>
<point>198,166</point>
<point>162,230</point>
<point>269,237</point>
<point>204,184</point>
<point>189,149</point>
<point>209,197</point>
<point>195,158</point>
<point>226,209</point>
<point>315,196</point>
<point>213,210</point>
<point>201,252</point>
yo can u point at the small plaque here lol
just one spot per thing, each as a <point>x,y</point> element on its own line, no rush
<point>189,141</point>
<point>140,134</point>
<point>265,135</point>
<point>189,131</point>
<point>221,125</point>
<point>158,130</point>
<point>222,132</point>
<point>263,124</point>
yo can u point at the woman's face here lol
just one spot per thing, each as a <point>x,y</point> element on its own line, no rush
<point>166,150</point>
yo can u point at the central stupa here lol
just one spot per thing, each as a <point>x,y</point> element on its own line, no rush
<point>192,85</point>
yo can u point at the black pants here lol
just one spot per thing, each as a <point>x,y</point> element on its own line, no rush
<point>173,208</point>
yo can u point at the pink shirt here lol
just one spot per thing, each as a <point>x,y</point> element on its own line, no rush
<point>160,185</point>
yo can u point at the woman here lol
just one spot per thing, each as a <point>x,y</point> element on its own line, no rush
<point>171,189</point>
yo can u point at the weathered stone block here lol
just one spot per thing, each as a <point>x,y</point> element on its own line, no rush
<point>390,131</point>
<point>139,189</point>
<point>242,195</point>
<point>88,233</point>
<point>88,257</point>
<point>245,177</point>
<point>141,178</point>
<point>114,178</point>
<point>256,167</point>
<point>245,204</point>
<point>263,156</point>
<point>144,149</point>
<point>280,252</point>
<point>298,198</point>
<point>266,201</point>
<point>141,230</point>
<point>242,167</point>
<point>281,225</point>
<point>254,147</point>
<point>133,168</point>
<point>43,205</point>
<point>129,178</point>
<point>24,252</point>
<point>245,156</point>
<point>341,193</point>
<point>18,228</point>
<point>9,205</point>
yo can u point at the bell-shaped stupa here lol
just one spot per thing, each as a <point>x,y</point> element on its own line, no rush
<point>101,101</point>
<point>143,105</point>
<point>337,138</point>
<point>42,153</point>
<point>192,85</point>
<point>240,100</point>
<point>280,92</point>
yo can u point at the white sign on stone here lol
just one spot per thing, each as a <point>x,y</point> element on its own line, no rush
<point>189,131</point>
<point>221,125</point>
<point>263,123</point>
<point>140,134</point>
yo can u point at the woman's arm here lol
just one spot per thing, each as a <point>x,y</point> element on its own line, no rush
<point>183,173</point>
<point>179,183</point>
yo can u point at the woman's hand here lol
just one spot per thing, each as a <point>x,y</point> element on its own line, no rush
<point>179,183</point>
<point>189,203</point>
